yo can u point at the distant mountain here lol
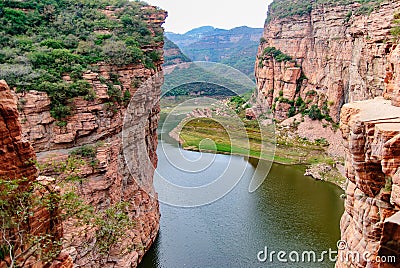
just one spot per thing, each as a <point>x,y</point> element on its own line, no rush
<point>172,54</point>
<point>236,47</point>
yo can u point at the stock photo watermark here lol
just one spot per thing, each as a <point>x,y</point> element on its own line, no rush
<point>341,253</point>
<point>142,106</point>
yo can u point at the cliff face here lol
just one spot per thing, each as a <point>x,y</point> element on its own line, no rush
<point>371,220</point>
<point>17,164</point>
<point>334,56</point>
<point>100,122</point>
<point>16,152</point>
<point>371,133</point>
<point>339,56</point>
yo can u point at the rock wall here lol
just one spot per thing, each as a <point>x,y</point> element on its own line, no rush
<point>16,163</point>
<point>371,219</point>
<point>371,133</point>
<point>113,178</point>
<point>16,152</point>
<point>338,57</point>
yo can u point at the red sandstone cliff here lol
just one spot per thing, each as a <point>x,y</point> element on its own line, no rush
<point>101,123</point>
<point>17,164</point>
<point>341,59</point>
<point>371,133</point>
<point>371,221</point>
<point>338,57</point>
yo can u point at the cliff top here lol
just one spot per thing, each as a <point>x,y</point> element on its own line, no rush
<point>377,109</point>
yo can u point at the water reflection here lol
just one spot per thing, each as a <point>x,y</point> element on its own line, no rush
<point>289,212</point>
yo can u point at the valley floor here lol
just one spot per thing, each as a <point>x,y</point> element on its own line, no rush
<point>234,134</point>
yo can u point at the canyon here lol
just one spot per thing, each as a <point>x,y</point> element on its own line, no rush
<point>345,63</point>
<point>332,59</point>
<point>336,58</point>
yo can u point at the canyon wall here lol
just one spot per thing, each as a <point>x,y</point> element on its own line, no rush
<point>345,63</point>
<point>123,166</point>
<point>338,55</point>
<point>371,220</point>
<point>17,165</point>
<point>371,133</point>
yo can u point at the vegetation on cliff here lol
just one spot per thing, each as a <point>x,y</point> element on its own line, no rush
<point>395,31</point>
<point>43,41</point>
<point>275,53</point>
<point>43,200</point>
<point>286,8</point>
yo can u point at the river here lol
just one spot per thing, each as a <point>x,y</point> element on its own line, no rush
<point>289,212</point>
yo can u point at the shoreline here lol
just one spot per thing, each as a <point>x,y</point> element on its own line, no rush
<point>309,167</point>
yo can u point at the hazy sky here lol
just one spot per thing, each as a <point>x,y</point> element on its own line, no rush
<point>185,15</point>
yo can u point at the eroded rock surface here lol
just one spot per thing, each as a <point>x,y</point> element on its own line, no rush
<point>338,57</point>
<point>110,179</point>
<point>17,162</point>
<point>371,131</point>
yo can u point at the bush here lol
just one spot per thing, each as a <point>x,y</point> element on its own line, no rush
<point>315,113</point>
<point>85,151</point>
<point>60,111</point>
<point>127,97</point>
<point>287,8</point>
<point>278,55</point>
<point>51,43</point>
<point>292,111</point>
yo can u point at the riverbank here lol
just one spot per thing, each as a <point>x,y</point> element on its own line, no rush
<point>227,135</point>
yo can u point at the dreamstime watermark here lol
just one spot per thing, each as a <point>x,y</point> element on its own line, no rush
<point>145,103</point>
<point>341,254</point>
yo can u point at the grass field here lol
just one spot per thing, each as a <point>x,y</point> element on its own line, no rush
<point>227,135</point>
<point>234,134</point>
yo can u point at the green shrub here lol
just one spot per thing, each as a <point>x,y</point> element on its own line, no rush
<point>60,111</point>
<point>315,113</point>
<point>311,93</point>
<point>288,8</point>
<point>51,43</point>
<point>127,97</point>
<point>299,102</point>
<point>62,123</point>
<point>85,151</point>
<point>395,31</point>
<point>278,55</point>
<point>321,142</point>
<point>114,93</point>
<point>292,111</point>
<point>238,101</point>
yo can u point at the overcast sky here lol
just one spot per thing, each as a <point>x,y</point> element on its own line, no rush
<point>185,15</point>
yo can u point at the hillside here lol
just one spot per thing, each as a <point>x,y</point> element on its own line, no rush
<point>236,47</point>
<point>173,54</point>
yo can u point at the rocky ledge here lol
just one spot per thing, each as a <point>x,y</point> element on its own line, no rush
<point>371,133</point>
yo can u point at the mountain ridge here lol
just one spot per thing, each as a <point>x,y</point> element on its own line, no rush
<point>236,47</point>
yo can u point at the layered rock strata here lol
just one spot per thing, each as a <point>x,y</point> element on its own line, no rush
<point>339,56</point>
<point>120,171</point>
<point>370,224</point>
<point>17,163</point>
